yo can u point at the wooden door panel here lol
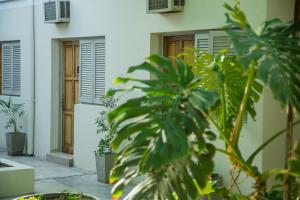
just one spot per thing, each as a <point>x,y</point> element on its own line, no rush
<point>68,100</point>
<point>174,48</point>
<point>70,93</point>
<point>68,132</point>
<point>174,45</point>
<point>188,44</point>
<point>68,61</point>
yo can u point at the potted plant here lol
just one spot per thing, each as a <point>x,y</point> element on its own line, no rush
<point>104,155</point>
<point>15,139</point>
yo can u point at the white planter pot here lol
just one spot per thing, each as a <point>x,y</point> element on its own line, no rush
<point>104,165</point>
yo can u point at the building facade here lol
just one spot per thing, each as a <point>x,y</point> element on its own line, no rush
<point>59,70</point>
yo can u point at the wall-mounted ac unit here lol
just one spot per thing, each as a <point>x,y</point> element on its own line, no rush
<point>165,6</point>
<point>57,11</point>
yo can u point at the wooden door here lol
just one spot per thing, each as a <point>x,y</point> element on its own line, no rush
<point>174,45</point>
<point>70,94</point>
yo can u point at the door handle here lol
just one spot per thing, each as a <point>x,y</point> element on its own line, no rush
<point>77,69</point>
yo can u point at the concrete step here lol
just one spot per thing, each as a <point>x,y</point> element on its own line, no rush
<point>61,158</point>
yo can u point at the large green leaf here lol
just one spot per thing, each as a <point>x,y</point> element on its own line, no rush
<point>227,77</point>
<point>169,133</point>
<point>275,49</point>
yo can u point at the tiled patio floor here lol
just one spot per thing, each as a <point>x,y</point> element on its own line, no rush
<point>51,177</point>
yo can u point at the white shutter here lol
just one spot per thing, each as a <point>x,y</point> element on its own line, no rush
<point>99,47</point>
<point>220,40</point>
<point>92,71</point>
<point>11,69</point>
<point>214,42</point>
<point>6,69</point>
<point>202,42</point>
<point>86,71</point>
<point>16,68</point>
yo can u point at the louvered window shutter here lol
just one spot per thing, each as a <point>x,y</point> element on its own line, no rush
<point>11,69</point>
<point>99,91</point>
<point>6,69</point>
<point>214,42</point>
<point>202,42</point>
<point>220,40</point>
<point>92,71</point>
<point>86,71</point>
<point>16,68</point>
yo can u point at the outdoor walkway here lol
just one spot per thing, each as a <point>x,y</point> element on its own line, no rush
<point>51,177</point>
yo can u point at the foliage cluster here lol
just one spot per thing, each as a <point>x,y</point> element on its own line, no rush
<point>103,126</point>
<point>172,122</point>
<point>13,112</point>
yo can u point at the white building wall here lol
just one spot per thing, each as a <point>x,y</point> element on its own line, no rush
<point>128,31</point>
<point>15,23</point>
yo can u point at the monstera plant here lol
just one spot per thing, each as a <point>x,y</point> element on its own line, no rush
<point>171,122</point>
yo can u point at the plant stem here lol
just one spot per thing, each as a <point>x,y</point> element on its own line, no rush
<point>245,167</point>
<point>288,150</point>
<point>240,118</point>
<point>260,184</point>
<point>224,113</point>
<point>227,142</point>
<point>209,197</point>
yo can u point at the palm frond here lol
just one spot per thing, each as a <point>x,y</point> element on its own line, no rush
<point>12,112</point>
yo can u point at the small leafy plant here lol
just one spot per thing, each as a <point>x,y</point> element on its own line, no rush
<point>103,126</point>
<point>13,112</point>
<point>61,196</point>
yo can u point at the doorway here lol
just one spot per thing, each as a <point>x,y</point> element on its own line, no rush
<point>70,93</point>
<point>174,45</point>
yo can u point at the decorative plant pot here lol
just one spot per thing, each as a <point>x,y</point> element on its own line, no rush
<point>56,196</point>
<point>15,143</point>
<point>104,165</point>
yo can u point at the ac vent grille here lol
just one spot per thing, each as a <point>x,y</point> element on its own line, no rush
<point>65,9</point>
<point>158,4</point>
<point>50,11</point>
<point>57,11</point>
<point>165,6</point>
<point>179,2</point>
<point>68,9</point>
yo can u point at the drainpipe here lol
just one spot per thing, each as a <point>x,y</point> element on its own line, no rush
<point>31,118</point>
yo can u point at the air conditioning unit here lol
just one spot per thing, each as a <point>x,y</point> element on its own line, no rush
<point>165,6</point>
<point>57,11</point>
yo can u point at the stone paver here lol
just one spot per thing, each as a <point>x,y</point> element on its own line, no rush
<point>51,177</point>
